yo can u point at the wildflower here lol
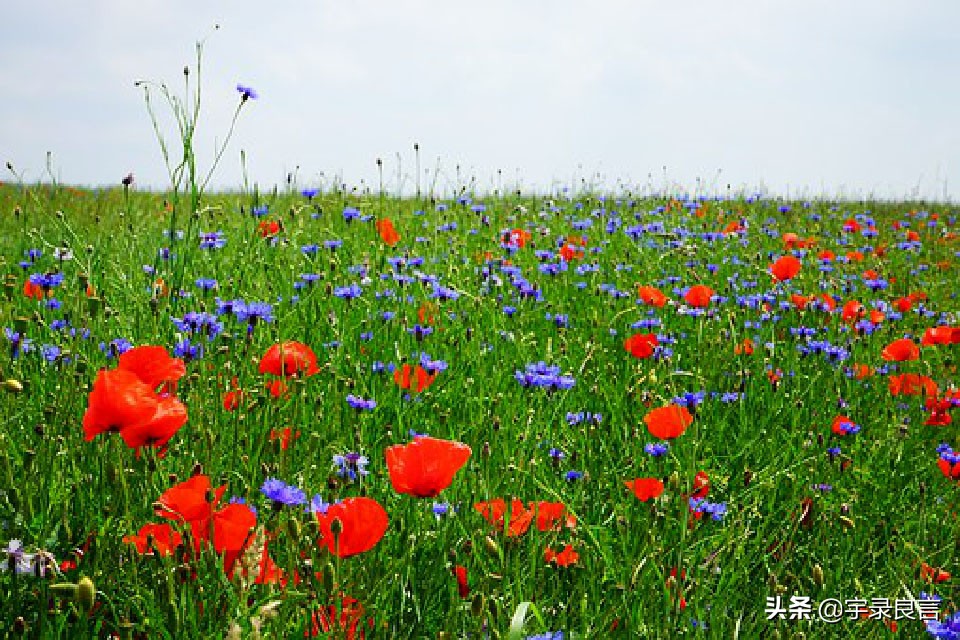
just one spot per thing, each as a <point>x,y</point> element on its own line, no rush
<point>495,512</point>
<point>155,537</point>
<point>901,350</point>
<point>645,488</point>
<point>289,359</point>
<point>351,465</point>
<point>246,93</point>
<point>564,558</point>
<point>420,381</point>
<point>668,422</point>
<point>657,449</point>
<point>282,493</point>
<point>360,404</point>
<point>426,466</point>
<point>785,268</point>
<point>699,296</point>
<point>641,345</point>
<point>360,524</point>
<point>843,425</point>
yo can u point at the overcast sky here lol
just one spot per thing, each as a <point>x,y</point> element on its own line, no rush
<point>807,98</point>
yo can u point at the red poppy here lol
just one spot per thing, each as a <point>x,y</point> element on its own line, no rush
<point>952,471</point>
<point>652,296</point>
<point>912,384</point>
<point>641,345</point>
<point>288,359</point>
<point>734,226</point>
<point>153,365</point>
<point>852,311</point>
<point>155,537</point>
<point>421,379</point>
<point>232,531</point>
<point>191,501</point>
<point>827,256</point>
<point>517,237</point>
<point>903,305</point>
<point>31,290</point>
<point>785,268</point>
<point>387,232</point>
<point>360,524</point>
<point>861,371</point>
<point>345,618</point>
<point>157,431</point>
<point>232,399</point>
<point>268,228</point>
<point>744,348</point>
<point>939,412</point>
<point>460,573</point>
<point>495,512</point>
<point>564,558</point>
<point>666,423</point>
<point>645,488</point>
<point>841,425</point>
<point>699,296</point>
<point>285,436</point>
<point>119,399</point>
<point>933,574</point>
<point>426,466</point>
<point>901,350</point>
<point>855,256</point>
<point>799,301</point>
<point>828,301</point>
<point>851,225</point>
<point>277,387</point>
<point>940,335</point>
<point>701,485</point>
<point>552,516</point>
<point>569,253</point>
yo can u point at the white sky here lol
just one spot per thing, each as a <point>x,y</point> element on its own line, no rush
<point>808,98</point>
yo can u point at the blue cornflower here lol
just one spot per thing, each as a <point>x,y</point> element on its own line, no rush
<point>212,240</point>
<point>116,347</point>
<point>310,194</point>
<point>657,449</point>
<point>573,476</point>
<point>360,404</point>
<point>246,93</point>
<point>351,465</point>
<point>946,629</point>
<point>317,505</point>
<point>206,284</point>
<point>349,292</point>
<point>282,493</point>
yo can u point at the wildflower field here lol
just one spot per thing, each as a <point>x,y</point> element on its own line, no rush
<point>325,412</point>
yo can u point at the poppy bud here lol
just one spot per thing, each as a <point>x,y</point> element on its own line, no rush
<point>847,522</point>
<point>491,546</point>
<point>86,594</point>
<point>66,590</point>
<point>12,385</point>
<point>19,626</point>
<point>747,477</point>
<point>817,575</point>
<point>485,451</point>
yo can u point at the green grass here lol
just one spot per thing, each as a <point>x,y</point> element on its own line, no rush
<point>762,452</point>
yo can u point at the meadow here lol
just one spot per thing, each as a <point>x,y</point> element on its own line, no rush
<point>331,412</point>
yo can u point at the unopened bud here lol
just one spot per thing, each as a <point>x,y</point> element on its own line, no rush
<point>86,594</point>
<point>817,575</point>
<point>491,546</point>
<point>12,385</point>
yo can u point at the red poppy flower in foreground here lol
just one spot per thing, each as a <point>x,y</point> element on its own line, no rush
<point>387,232</point>
<point>645,488</point>
<point>552,516</point>
<point>495,512</point>
<point>699,296</point>
<point>188,502</point>
<point>901,351</point>
<point>666,423</point>
<point>641,345</point>
<point>31,290</point>
<point>940,335</point>
<point>153,365</point>
<point>119,399</point>
<point>842,425</point>
<point>157,431</point>
<point>564,558</point>
<point>157,538</point>
<point>288,359</point>
<point>352,526</point>
<point>421,379</point>
<point>951,470</point>
<point>652,296</point>
<point>426,466</point>
<point>912,384</point>
<point>701,485</point>
<point>785,268</point>
<point>933,574</point>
